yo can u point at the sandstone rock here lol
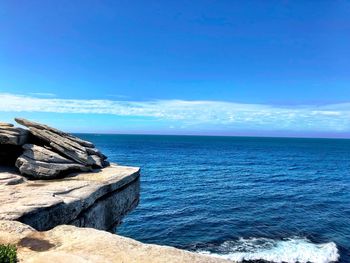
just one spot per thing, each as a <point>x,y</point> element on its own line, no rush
<point>94,151</point>
<point>14,136</point>
<point>85,245</point>
<point>4,124</point>
<point>82,152</point>
<point>40,163</point>
<point>94,199</point>
<point>28,123</point>
<point>62,145</point>
<point>42,170</point>
<point>8,176</point>
<point>42,154</point>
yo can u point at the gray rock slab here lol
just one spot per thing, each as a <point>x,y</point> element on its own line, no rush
<point>42,154</point>
<point>13,137</point>
<point>29,124</point>
<point>35,169</point>
<point>62,145</point>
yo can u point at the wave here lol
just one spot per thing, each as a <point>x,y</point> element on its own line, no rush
<point>291,250</point>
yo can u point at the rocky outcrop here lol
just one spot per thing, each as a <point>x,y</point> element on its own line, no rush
<point>96,199</point>
<point>41,163</point>
<point>12,135</point>
<point>47,153</point>
<point>11,140</point>
<point>66,144</point>
<point>85,245</point>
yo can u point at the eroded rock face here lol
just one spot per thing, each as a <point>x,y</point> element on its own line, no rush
<point>11,140</point>
<point>47,153</point>
<point>97,199</point>
<point>41,163</point>
<point>66,144</point>
<point>12,135</point>
<point>85,245</point>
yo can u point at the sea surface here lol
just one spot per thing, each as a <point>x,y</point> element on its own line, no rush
<point>242,198</point>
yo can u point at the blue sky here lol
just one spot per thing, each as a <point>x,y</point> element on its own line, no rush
<point>278,68</point>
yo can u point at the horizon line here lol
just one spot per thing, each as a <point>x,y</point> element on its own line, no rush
<point>215,135</point>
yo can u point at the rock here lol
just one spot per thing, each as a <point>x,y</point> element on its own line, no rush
<point>82,152</point>
<point>94,151</point>
<point>95,160</point>
<point>29,124</point>
<point>97,199</point>
<point>42,154</point>
<point>34,169</point>
<point>11,139</point>
<point>85,245</point>
<point>37,162</point>
<point>8,176</point>
<point>14,136</point>
<point>64,146</point>
<point>4,124</point>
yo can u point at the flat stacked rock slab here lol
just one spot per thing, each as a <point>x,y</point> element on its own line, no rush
<point>11,140</point>
<point>81,151</point>
<point>12,135</point>
<point>54,153</point>
<point>41,163</point>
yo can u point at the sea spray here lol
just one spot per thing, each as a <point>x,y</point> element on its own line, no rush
<point>291,250</point>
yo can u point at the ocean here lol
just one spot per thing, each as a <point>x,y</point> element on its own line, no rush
<point>242,198</point>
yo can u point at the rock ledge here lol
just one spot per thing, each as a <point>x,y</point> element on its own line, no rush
<point>96,199</point>
<point>85,245</point>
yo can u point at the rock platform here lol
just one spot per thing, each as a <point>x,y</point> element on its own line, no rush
<point>96,199</point>
<point>69,244</point>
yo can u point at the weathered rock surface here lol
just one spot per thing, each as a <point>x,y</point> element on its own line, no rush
<point>63,152</point>
<point>12,135</point>
<point>81,151</point>
<point>39,126</point>
<point>4,124</point>
<point>94,199</point>
<point>11,140</point>
<point>8,176</point>
<point>41,163</point>
<point>85,245</point>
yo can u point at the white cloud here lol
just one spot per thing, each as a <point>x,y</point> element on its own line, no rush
<point>333,117</point>
<point>43,94</point>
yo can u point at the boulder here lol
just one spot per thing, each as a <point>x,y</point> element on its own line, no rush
<point>38,162</point>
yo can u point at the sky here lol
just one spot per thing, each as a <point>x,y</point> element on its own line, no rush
<point>256,68</point>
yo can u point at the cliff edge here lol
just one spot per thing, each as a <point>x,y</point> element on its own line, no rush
<point>57,194</point>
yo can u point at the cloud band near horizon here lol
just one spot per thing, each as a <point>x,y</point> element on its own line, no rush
<point>332,117</point>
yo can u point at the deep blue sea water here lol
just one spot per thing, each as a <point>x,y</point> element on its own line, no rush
<point>276,199</point>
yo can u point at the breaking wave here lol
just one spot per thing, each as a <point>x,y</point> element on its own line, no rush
<point>291,250</point>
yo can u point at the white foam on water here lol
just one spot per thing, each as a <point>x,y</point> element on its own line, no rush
<point>292,250</point>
